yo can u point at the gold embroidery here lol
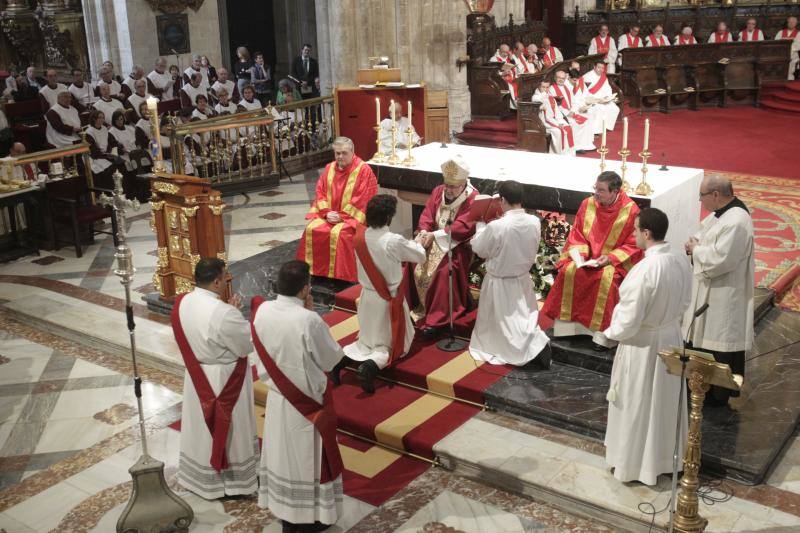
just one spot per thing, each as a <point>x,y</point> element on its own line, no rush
<point>334,245</point>
<point>309,258</point>
<point>568,291</point>
<point>616,229</point>
<point>602,298</point>
<point>589,216</point>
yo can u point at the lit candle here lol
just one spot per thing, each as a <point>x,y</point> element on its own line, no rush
<point>625,132</point>
<point>152,104</point>
<point>391,110</point>
<point>646,134</point>
<point>377,111</point>
<point>603,138</point>
<point>409,111</point>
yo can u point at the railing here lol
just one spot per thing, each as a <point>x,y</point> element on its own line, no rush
<point>56,163</point>
<point>303,130</point>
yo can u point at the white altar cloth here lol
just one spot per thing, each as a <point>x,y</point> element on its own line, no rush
<point>675,191</point>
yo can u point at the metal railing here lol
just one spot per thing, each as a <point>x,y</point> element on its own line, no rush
<point>56,163</point>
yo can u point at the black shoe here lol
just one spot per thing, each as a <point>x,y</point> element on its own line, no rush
<point>431,333</point>
<point>599,347</point>
<point>288,527</point>
<point>366,375</point>
<point>543,359</point>
<point>335,373</point>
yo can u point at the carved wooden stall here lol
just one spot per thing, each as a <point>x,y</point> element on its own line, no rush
<point>667,78</point>
<point>702,16</point>
<point>187,219</point>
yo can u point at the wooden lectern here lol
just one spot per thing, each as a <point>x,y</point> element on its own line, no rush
<point>187,218</point>
<point>702,372</point>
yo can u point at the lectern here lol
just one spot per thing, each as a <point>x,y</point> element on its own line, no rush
<point>702,372</point>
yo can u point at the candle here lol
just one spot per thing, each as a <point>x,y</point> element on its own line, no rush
<point>646,134</point>
<point>391,110</point>
<point>625,132</point>
<point>603,138</point>
<point>377,111</point>
<point>152,104</point>
<point>409,112</point>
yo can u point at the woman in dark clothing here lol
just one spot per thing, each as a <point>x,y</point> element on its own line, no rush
<point>242,68</point>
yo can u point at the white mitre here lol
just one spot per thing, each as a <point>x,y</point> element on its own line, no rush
<point>455,171</point>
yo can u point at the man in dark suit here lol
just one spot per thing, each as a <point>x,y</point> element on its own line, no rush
<point>304,70</point>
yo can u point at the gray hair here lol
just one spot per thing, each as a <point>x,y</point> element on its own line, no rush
<point>196,57</point>
<point>160,61</point>
<point>137,68</point>
<point>719,184</point>
<point>345,141</point>
<point>139,83</point>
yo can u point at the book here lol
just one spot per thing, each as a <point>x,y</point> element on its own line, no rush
<point>575,255</point>
<point>485,208</point>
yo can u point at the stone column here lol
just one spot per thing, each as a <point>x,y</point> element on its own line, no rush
<point>295,25</point>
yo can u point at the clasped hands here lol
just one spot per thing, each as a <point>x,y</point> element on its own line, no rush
<point>333,217</point>
<point>690,244</point>
<point>425,239</point>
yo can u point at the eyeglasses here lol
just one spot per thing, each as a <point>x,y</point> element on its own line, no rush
<point>706,193</point>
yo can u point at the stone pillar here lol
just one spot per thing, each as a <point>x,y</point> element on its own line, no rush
<point>295,25</point>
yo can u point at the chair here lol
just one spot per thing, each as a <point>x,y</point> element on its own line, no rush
<point>28,123</point>
<point>70,201</point>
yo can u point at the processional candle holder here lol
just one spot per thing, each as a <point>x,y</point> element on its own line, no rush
<point>159,165</point>
<point>623,154</point>
<point>393,159</point>
<point>378,157</point>
<point>644,188</point>
<point>409,161</point>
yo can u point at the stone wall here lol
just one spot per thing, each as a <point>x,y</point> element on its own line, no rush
<point>421,37</point>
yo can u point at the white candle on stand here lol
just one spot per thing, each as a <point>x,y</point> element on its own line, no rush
<point>409,111</point>
<point>377,111</point>
<point>625,132</point>
<point>603,138</point>
<point>646,134</point>
<point>391,110</point>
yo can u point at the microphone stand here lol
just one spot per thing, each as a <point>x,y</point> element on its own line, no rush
<point>450,344</point>
<point>681,396</point>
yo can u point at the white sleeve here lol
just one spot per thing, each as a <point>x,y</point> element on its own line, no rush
<point>612,51</point>
<point>403,249</point>
<point>233,333</point>
<point>622,43</point>
<point>592,47</point>
<point>325,351</point>
<point>710,39</point>
<point>634,297</point>
<point>729,249</point>
<point>486,243</point>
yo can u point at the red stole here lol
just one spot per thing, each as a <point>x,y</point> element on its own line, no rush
<point>566,102</point>
<point>580,85</point>
<point>550,56</point>
<point>746,35</point>
<point>396,310</point>
<point>635,43</point>
<point>689,40</point>
<point>786,35</point>
<point>598,84</point>
<point>603,47</point>
<point>566,131</point>
<point>721,37</point>
<point>322,416</point>
<point>217,410</point>
<point>656,42</point>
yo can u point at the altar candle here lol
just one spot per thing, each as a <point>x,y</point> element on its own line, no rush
<point>377,111</point>
<point>152,105</point>
<point>603,138</point>
<point>646,134</point>
<point>625,132</point>
<point>391,109</point>
<point>409,111</point>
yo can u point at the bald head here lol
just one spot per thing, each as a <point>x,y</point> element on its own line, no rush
<point>719,184</point>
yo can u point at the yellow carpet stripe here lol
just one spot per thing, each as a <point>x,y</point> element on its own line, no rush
<point>345,328</point>
<point>392,430</point>
<point>443,378</point>
<point>369,463</point>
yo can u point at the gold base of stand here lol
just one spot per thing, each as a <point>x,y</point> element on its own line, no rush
<point>378,158</point>
<point>644,188</point>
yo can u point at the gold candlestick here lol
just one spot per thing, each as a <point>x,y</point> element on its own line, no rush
<point>393,159</point>
<point>409,161</point>
<point>644,188</point>
<point>623,154</point>
<point>378,157</point>
<point>603,150</point>
<point>152,107</point>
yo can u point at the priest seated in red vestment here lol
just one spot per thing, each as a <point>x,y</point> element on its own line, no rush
<point>600,250</point>
<point>343,190</point>
<point>444,224</point>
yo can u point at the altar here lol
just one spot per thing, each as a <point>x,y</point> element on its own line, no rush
<point>551,182</point>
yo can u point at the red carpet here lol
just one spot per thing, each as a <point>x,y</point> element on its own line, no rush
<point>736,139</point>
<point>491,133</point>
<point>782,97</point>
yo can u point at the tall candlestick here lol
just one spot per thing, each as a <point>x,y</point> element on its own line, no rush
<point>625,132</point>
<point>152,108</point>
<point>603,138</point>
<point>646,134</point>
<point>377,110</point>
<point>409,111</point>
<point>391,109</point>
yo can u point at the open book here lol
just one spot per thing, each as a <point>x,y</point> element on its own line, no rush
<point>579,261</point>
<point>485,208</point>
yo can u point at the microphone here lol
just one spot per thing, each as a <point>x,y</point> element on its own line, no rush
<point>688,343</point>
<point>701,310</point>
<point>173,51</point>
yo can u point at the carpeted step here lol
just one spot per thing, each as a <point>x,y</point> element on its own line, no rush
<point>792,86</point>
<point>773,103</point>
<point>508,125</point>
<point>787,96</point>
<point>482,138</point>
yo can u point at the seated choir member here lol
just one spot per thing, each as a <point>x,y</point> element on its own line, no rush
<point>583,297</point>
<point>555,122</point>
<point>632,39</point>
<point>791,33</point>
<point>604,44</point>
<point>750,32</point>
<point>63,122</point>
<point>190,91</point>
<point>196,67</point>
<point>508,71</point>
<point>107,79</point>
<point>527,61</point>
<point>48,94</point>
<point>138,96</point>
<point>643,396</point>
<point>507,327</point>
<point>287,92</point>
<point>159,81</point>
<point>214,340</point>
<point>223,82</point>
<point>343,190</point>
<point>101,147</point>
<point>657,38</point>
<point>82,92</point>
<point>721,35</point>
<point>402,124</point>
<point>574,109</point>
<point>106,103</point>
<point>110,66</point>
<point>249,102</point>
<point>124,134</point>
<point>600,98</point>
<point>143,130</point>
<point>224,105</point>
<point>550,54</point>
<point>685,37</point>
<point>177,81</point>
<point>385,328</point>
<point>201,110</point>
<point>444,225</point>
<point>129,84</point>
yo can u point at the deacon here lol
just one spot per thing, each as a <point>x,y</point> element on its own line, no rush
<point>583,296</point>
<point>721,35</point>
<point>444,225</point>
<point>685,37</point>
<point>385,327</point>
<point>556,124</point>
<point>657,38</point>
<point>643,396</point>
<point>724,268</point>
<point>793,34</point>
<point>219,444</point>
<point>507,328</point>
<point>750,32</point>
<point>600,97</point>
<point>574,110</point>
<point>401,137</point>
<point>300,476</point>
<point>343,190</point>
<point>604,44</point>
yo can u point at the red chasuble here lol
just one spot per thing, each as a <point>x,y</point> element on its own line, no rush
<point>397,315</point>
<point>436,299</point>
<point>589,295</point>
<point>328,248</point>
<point>322,416</point>
<point>217,409</point>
